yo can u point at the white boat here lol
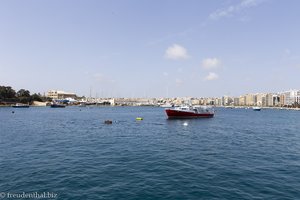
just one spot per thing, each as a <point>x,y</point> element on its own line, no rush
<point>256,108</point>
<point>21,105</point>
<point>167,105</point>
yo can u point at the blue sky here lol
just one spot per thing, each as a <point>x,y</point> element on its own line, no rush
<point>143,48</point>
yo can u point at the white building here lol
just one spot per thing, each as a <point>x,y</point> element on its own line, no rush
<point>291,97</point>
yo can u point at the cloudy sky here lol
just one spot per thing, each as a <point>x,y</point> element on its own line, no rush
<point>142,48</point>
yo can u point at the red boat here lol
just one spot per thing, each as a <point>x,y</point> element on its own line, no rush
<point>190,112</point>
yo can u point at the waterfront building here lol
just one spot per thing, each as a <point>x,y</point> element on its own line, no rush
<point>276,100</point>
<point>218,101</point>
<point>272,100</point>
<point>250,100</point>
<point>291,97</point>
<point>201,101</point>
<point>211,101</point>
<point>242,100</point>
<point>236,101</point>
<point>264,101</point>
<point>195,102</point>
<point>282,99</point>
<point>112,102</point>
<point>260,99</point>
<point>227,101</point>
<point>57,94</point>
<point>269,99</point>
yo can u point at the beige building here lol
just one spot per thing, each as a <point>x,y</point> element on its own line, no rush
<point>195,102</point>
<point>218,101</point>
<point>260,99</point>
<point>56,94</point>
<point>242,100</point>
<point>236,101</point>
<point>227,101</point>
<point>282,100</point>
<point>272,100</point>
<point>250,99</point>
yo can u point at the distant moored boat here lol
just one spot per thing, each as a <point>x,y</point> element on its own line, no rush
<point>256,108</point>
<point>55,105</point>
<point>21,105</point>
<point>167,105</point>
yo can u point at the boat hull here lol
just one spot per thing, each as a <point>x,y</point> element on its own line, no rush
<point>58,106</point>
<point>177,114</point>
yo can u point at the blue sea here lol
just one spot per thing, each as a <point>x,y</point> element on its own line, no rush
<point>70,152</point>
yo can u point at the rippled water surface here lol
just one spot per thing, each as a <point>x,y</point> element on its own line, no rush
<point>238,154</point>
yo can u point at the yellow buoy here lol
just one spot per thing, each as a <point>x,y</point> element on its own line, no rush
<point>139,118</point>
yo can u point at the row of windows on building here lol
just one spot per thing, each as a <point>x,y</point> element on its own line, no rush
<point>287,98</point>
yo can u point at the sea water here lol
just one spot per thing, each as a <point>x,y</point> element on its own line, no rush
<point>72,154</point>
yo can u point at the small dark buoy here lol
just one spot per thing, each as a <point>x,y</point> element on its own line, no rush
<point>12,111</point>
<point>107,122</point>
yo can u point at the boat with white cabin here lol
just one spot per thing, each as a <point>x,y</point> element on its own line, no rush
<point>187,111</point>
<point>167,105</point>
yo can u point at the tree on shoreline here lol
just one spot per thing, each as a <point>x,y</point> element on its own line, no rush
<point>23,93</point>
<point>6,92</point>
<point>9,96</point>
<point>23,96</point>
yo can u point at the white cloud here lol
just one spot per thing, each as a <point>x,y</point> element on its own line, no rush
<point>176,52</point>
<point>210,63</point>
<point>232,9</point>
<point>211,76</point>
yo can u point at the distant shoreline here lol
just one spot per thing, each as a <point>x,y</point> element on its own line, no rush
<point>226,107</point>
